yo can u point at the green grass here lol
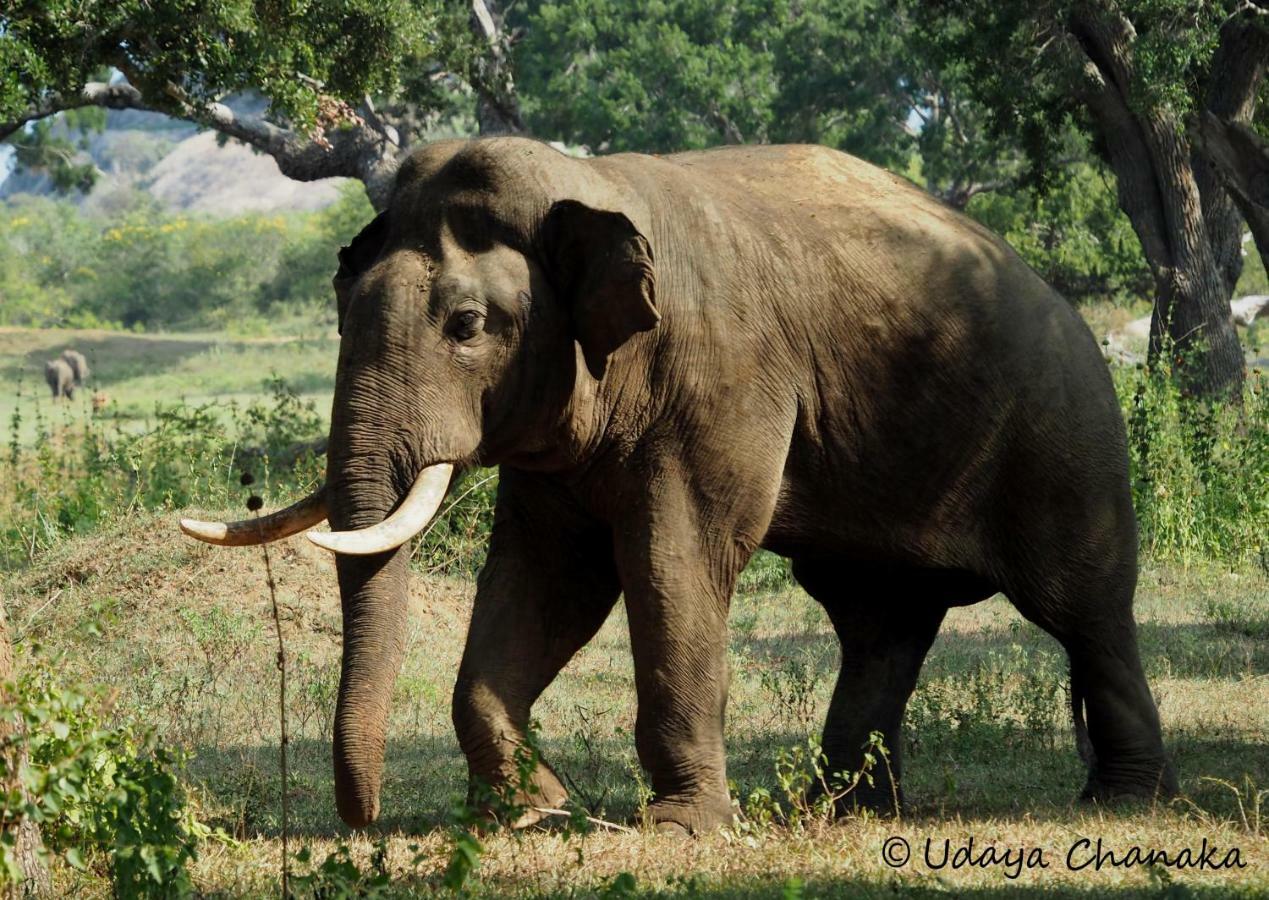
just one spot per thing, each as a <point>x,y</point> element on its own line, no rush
<point>96,580</point>
<point>182,634</point>
<point>138,371</point>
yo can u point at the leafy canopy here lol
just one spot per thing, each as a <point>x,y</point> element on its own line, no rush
<point>197,51</point>
<point>310,59</point>
<point>683,74</point>
<point>1023,62</point>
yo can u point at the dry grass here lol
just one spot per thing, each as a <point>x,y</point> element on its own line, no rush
<point>182,635</point>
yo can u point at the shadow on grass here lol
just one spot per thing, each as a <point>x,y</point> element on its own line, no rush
<point>832,888</point>
<point>989,771</point>
<point>1191,650</point>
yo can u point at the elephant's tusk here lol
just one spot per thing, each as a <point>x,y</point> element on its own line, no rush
<point>411,517</point>
<point>285,522</point>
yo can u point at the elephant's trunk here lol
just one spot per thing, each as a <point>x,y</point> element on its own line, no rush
<point>364,482</point>
<point>373,594</point>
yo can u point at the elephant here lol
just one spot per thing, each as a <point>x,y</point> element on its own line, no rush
<point>676,360</point>
<point>78,365</point>
<point>60,378</point>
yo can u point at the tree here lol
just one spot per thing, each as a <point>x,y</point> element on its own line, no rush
<point>851,74</point>
<point>350,83</point>
<point>1137,76</point>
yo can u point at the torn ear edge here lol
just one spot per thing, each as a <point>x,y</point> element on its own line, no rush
<point>603,268</point>
<point>355,259</point>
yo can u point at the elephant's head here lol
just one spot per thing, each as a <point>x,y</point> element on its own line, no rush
<point>462,310</point>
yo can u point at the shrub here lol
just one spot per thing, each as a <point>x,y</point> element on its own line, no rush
<point>78,477</point>
<point>106,797</point>
<point>1200,472</point>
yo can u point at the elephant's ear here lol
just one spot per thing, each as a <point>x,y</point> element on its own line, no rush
<point>355,259</point>
<point>602,267</point>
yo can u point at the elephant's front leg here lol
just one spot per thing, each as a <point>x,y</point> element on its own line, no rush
<point>677,594</point>
<point>545,590</point>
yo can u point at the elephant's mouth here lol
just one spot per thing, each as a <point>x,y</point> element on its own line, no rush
<point>412,516</point>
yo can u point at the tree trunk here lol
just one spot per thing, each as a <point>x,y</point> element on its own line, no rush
<point>28,844</point>
<point>1241,157</point>
<point>497,104</point>
<point>1147,148</point>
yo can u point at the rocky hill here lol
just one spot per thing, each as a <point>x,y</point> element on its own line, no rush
<point>183,168</point>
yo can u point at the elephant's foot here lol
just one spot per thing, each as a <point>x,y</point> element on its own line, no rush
<point>690,816</point>
<point>528,803</point>
<point>1154,780</point>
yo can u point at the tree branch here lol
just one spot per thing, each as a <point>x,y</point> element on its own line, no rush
<point>353,149</point>
<point>1241,158</point>
<point>97,93</point>
<point>1236,72</point>
<point>497,108</point>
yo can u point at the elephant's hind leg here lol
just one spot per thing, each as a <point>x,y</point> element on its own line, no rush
<point>1089,610</point>
<point>547,587</point>
<point>884,644</point>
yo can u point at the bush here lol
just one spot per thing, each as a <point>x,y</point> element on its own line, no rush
<point>1200,472</point>
<point>151,269</point>
<point>106,797</point>
<point>78,478</point>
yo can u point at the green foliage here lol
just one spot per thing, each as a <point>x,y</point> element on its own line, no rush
<point>173,50</point>
<point>150,269</point>
<point>308,258</point>
<point>48,146</point>
<point>684,74</point>
<point>106,797</point>
<point>1022,62</point>
<point>312,61</point>
<point>1075,235</point>
<point>1200,472</point>
<point>339,877</point>
<point>808,791</point>
<point>456,543</point>
<point>77,479</point>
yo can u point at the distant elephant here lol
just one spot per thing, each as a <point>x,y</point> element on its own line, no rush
<point>677,360</point>
<point>60,378</point>
<point>78,365</point>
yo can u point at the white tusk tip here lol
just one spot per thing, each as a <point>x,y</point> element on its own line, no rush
<point>203,531</point>
<point>321,539</point>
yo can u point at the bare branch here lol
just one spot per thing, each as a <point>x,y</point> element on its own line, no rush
<point>355,149</point>
<point>96,93</point>
<point>497,108</point>
<point>1241,159</point>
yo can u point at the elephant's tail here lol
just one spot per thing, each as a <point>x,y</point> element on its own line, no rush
<point>1082,741</point>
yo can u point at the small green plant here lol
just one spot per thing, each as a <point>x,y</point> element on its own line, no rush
<point>339,877</point>
<point>106,797</point>
<point>455,544</point>
<point>1200,471</point>
<point>766,572</point>
<point>809,792</point>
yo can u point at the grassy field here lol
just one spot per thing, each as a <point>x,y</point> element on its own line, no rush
<point>180,636</point>
<point>138,371</point>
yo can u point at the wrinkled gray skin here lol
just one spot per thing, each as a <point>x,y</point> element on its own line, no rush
<point>78,365</point>
<point>60,378</point>
<point>677,360</point>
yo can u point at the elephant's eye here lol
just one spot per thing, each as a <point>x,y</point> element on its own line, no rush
<point>465,325</point>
